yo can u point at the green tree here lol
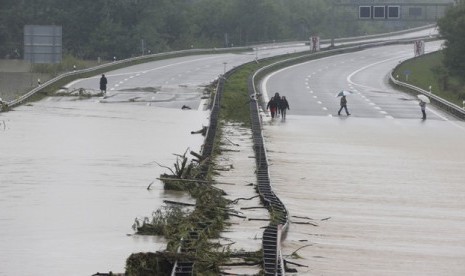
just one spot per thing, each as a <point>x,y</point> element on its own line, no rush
<point>108,28</point>
<point>452,29</point>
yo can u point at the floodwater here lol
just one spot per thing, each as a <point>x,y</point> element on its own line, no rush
<point>371,196</point>
<point>238,180</point>
<point>74,176</point>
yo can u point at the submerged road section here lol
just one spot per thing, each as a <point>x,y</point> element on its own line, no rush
<point>74,171</point>
<point>379,192</point>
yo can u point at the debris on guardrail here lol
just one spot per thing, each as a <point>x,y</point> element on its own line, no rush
<point>3,105</point>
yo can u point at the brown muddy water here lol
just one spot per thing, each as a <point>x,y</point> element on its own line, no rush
<point>371,196</point>
<point>73,178</point>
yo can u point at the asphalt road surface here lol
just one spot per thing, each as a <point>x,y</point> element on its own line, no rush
<point>311,87</point>
<point>171,83</point>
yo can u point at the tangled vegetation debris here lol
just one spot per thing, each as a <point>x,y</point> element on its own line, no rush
<point>209,217</point>
<point>179,222</point>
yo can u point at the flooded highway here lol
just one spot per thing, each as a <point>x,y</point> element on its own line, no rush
<point>74,171</point>
<point>379,192</point>
<point>74,178</point>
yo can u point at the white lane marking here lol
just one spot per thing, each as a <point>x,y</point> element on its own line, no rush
<point>138,73</point>
<point>266,79</point>
<point>72,83</point>
<point>442,117</point>
<point>349,77</point>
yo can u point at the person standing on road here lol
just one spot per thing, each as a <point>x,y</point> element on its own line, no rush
<point>343,105</point>
<point>423,109</point>
<point>103,84</point>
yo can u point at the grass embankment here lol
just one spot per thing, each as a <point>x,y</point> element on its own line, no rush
<point>235,102</point>
<point>428,70</point>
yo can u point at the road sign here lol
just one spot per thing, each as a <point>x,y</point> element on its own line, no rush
<point>393,12</point>
<point>364,12</point>
<point>42,43</point>
<point>379,12</point>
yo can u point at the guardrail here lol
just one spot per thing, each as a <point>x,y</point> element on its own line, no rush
<point>436,100</point>
<point>272,257</point>
<point>385,35</point>
<point>186,268</point>
<point>346,39</point>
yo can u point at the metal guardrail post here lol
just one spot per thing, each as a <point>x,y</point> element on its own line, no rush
<point>444,104</point>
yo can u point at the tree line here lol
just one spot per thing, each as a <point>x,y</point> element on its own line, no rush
<point>452,28</point>
<point>125,28</point>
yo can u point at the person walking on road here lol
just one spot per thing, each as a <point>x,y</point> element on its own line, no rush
<point>103,84</point>
<point>343,105</point>
<point>423,109</point>
<point>272,106</point>
<point>277,100</point>
<point>283,105</point>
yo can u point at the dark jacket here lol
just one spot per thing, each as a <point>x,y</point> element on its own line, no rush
<point>283,104</point>
<point>272,104</point>
<point>103,83</point>
<point>343,101</point>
